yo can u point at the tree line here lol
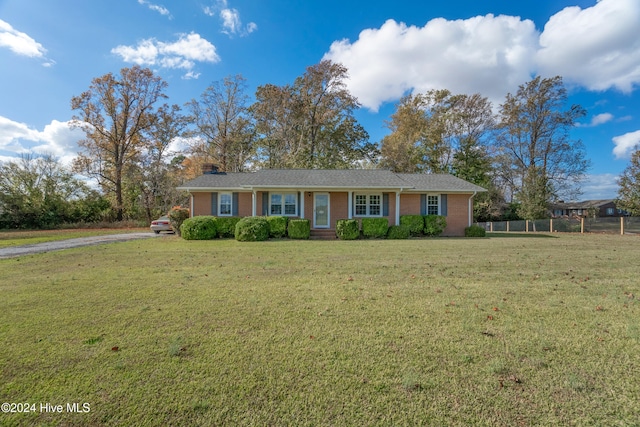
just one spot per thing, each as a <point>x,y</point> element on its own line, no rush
<point>522,154</point>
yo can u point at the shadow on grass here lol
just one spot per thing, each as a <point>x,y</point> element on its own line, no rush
<point>516,234</point>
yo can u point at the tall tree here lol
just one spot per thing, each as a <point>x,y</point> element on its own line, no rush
<point>116,114</point>
<point>437,132</point>
<point>224,129</point>
<point>629,186</point>
<point>156,174</point>
<point>311,123</point>
<point>539,160</point>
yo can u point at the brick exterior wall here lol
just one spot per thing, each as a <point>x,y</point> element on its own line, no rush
<point>457,214</point>
<point>201,204</point>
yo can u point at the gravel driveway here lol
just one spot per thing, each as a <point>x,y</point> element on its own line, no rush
<point>16,251</point>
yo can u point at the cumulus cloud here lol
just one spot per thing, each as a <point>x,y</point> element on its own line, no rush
<point>230,17</point>
<point>597,47</point>
<point>181,54</point>
<point>626,144</point>
<point>157,8</point>
<point>22,44</point>
<point>597,120</point>
<point>487,54</point>
<point>57,138</point>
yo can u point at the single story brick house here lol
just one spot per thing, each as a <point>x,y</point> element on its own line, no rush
<point>599,208</point>
<point>325,196</point>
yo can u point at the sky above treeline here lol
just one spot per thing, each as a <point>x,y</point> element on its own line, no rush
<point>51,50</point>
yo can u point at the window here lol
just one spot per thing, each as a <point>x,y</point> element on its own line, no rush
<point>225,201</point>
<point>284,204</point>
<point>368,205</point>
<point>433,205</point>
<point>610,211</point>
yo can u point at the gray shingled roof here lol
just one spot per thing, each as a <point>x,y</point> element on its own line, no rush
<point>330,179</point>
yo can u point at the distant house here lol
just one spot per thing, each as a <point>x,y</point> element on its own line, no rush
<point>587,208</point>
<point>325,196</point>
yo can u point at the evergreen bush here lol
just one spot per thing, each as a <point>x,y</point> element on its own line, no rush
<point>252,229</point>
<point>375,228</point>
<point>226,226</point>
<point>177,215</point>
<point>398,232</point>
<point>347,229</point>
<point>474,231</point>
<point>199,228</point>
<point>299,229</point>
<point>434,225</point>
<point>277,226</point>
<point>415,223</point>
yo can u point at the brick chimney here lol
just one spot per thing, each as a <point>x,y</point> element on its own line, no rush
<point>209,169</point>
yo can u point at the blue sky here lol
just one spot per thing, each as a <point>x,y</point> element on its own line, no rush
<point>50,51</point>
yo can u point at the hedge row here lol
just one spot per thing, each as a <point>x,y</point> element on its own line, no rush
<point>258,228</point>
<point>378,228</point>
<point>247,229</point>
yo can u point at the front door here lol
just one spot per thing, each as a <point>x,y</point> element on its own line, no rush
<point>321,210</point>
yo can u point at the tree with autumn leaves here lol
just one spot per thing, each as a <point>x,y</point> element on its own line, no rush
<point>524,151</point>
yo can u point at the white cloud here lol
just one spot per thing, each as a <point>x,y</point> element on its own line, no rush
<point>598,119</point>
<point>600,187</point>
<point>489,54</point>
<point>57,138</point>
<point>157,8</point>
<point>596,47</point>
<point>21,43</point>
<point>181,54</point>
<point>625,144</point>
<point>230,17</point>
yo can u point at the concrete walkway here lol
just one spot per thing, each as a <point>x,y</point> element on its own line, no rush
<point>16,251</point>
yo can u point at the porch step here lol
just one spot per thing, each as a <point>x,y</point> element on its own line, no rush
<point>323,234</point>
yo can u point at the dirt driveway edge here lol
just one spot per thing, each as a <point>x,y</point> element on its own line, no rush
<point>16,251</point>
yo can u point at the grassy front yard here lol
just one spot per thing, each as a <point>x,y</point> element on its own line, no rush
<point>497,331</point>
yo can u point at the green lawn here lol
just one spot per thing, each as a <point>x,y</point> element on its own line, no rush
<point>496,331</point>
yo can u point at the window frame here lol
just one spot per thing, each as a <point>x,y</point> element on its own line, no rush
<point>221,195</point>
<point>438,205</point>
<point>368,205</point>
<point>283,204</point>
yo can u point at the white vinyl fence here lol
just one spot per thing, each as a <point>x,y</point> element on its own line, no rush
<point>623,225</point>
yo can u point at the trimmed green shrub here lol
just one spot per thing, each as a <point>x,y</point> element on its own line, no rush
<point>474,231</point>
<point>375,228</point>
<point>177,215</point>
<point>434,225</point>
<point>277,226</point>
<point>415,223</point>
<point>252,229</point>
<point>199,228</point>
<point>226,225</point>
<point>398,232</point>
<point>347,229</point>
<point>299,229</point>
